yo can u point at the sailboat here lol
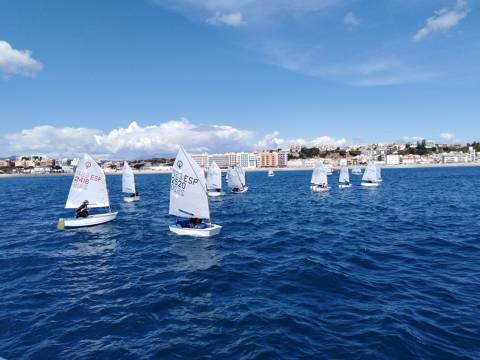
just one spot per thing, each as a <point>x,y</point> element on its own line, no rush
<point>356,170</point>
<point>88,186</point>
<point>214,180</point>
<point>344,179</point>
<point>379,174</point>
<point>319,181</point>
<point>271,173</point>
<point>369,178</point>
<point>236,180</point>
<point>189,199</point>
<point>128,184</point>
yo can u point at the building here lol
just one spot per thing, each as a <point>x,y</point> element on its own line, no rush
<point>409,160</point>
<point>455,157</point>
<point>269,159</point>
<point>243,159</point>
<point>5,163</point>
<point>222,160</point>
<point>283,157</point>
<point>429,144</point>
<point>252,160</point>
<point>393,159</point>
<point>232,159</point>
<point>201,160</point>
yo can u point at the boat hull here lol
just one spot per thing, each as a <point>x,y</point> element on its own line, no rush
<point>319,189</point>
<point>367,184</point>
<point>91,220</point>
<point>207,232</point>
<point>244,190</point>
<point>215,193</point>
<point>131,198</point>
<point>344,186</point>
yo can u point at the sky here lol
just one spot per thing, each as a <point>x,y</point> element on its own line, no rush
<point>133,78</point>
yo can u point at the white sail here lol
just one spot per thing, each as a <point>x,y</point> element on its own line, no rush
<point>234,179</point>
<point>88,183</point>
<point>344,175</point>
<point>188,191</point>
<point>356,170</point>
<point>379,173</point>
<point>370,173</point>
<point>128,179</point>
<point>319,175</point>
<point>214,177</point>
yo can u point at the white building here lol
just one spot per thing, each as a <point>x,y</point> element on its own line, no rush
<point>222,160</point>
<point>393,159</point>
<point>452,157</point>
<point>201,160</point>
<point>243,159</point>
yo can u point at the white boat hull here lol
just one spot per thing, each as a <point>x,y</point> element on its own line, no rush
<point>367,184</point>
<point>90,220</point>
<point>319,189</point>
<point>212,230</point>
<point>344,186</point>
<point>131,198</point>
<point>244,190</point>
<point>215,193</point>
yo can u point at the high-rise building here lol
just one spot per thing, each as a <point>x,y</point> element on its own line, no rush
<point>269,159</point>
<point>201,160</point>
<point>283,157</point>
<point>243,159</point>
<point>222,160</point>
<point>232,159</point>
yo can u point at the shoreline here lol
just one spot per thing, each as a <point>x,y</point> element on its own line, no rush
<point>300,168</point>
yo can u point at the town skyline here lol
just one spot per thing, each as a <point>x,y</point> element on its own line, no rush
<point>228,75</point>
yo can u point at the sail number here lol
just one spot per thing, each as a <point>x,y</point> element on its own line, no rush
<point>180,182</point>
<point>82,181</point>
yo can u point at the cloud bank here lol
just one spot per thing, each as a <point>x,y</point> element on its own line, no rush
<point>136,141</point>
<point>443,20</point>
<point>17,62</point>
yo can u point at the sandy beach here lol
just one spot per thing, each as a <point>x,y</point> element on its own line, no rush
<point>157,172</point>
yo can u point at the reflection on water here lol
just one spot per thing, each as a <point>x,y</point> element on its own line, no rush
<point>198,253</point>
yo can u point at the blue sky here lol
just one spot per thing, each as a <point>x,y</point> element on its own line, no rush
<point>235,74</point>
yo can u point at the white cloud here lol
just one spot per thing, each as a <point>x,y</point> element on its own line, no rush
<point>448,137</point>
<point>131,142</point>
<point>351,19</point>
<point>17,62</point>
<point>229,19</point>
<point>273,141</point>
<point>365,70</point>
<point>49,140</point>
<point>245,10</point>
<point>410,139</point>
<point>443,20</point>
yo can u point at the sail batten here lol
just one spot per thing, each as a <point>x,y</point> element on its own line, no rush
<point>128,179</point>
<point>188,190</point>
<point>89,184</point>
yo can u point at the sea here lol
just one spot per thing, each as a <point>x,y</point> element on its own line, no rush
<point>381,273</point>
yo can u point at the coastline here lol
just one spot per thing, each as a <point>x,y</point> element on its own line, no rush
<point>302,168</point>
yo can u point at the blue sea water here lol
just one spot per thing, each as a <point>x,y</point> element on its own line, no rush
<point>386,273</point>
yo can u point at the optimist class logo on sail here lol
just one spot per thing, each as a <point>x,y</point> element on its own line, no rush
<point>181,181</point>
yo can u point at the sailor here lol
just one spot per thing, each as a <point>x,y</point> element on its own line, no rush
<point>82,210</point>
